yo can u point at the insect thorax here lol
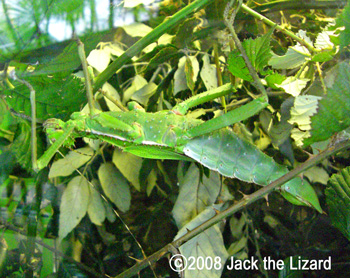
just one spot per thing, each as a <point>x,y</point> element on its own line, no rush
<point>163,128</point>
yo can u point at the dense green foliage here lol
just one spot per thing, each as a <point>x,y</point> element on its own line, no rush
<point>104,207</point>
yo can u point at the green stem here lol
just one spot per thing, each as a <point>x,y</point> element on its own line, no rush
<point>252,71</point>
<point>148,39</point>
<point>279,28</point>
<point>218,73</point>
<point>283,5</point>
<point>33,124</point>
<point>247,200</point>
<point>88,85</point>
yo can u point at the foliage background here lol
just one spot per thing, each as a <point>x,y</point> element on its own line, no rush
<point>147,196</point>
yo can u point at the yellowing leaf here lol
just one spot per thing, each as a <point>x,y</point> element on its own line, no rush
<point>165,39</point>
<point>96,209</point>
<point>113,48</point>
<point>323,40</point>
<point>99,59</point>
<point>187,72</point>
<point>208,74</point>
<point>317,174</point>
<point>72,161</point>
<point>138,83</point>
<point>142,95</point>
<point>151,182</point>
<point>115,186</point>
<point>195,195</point>
<point>207,244</point>
<point>111,93</point>
<point>74,204</point>
<point>137,29</point>
<point>129,165</point>
<point>304,107</point>
<point>293,86</point>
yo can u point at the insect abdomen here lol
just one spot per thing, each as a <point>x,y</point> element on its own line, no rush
<point>231,156</point>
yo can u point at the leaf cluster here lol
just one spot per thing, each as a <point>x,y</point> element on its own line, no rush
<point>106,206</point>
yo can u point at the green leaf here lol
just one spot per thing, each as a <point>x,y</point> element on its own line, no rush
<point>344,20</point>
<point>8,123</point>
<point>322,57</point>
<point>96,210</point>
<point>239,246</point>
<point>72,161</point>
<point>7,163</point>
<point>274,79</point>
<point>151,182</point>
<point>334,109</point>
<point>207,244</point>
<point>287,272</point>
<point>184,34</point>
<point>74,205</point>
<point>115,186</point>
<point>294,57</point>
<point>57,96</point>
<point>110,214</point>
<point>195,195</point>
<point>237,66</point>
<point>68,60</point>
<point>160,55</point>
<point>259,50</point>
<point>22,145</point>
<point>338,201</point>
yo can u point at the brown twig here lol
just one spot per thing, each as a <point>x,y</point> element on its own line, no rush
<point>247,200</point>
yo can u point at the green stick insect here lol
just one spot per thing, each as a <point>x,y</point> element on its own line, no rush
<point>171,135</point>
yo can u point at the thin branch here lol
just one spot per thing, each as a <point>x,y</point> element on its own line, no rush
<point>88,84</point>
<point>247,200</point>
<point>33,114</point>
<point>229,20</point>
<point>279,28</point>
<point>284,5</point>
